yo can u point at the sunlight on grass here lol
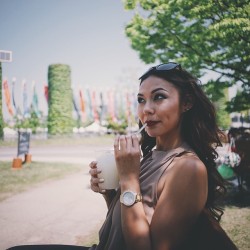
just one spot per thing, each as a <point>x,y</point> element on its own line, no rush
<point>236,222</point>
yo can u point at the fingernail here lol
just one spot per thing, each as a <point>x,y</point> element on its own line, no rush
<point>103,191</point>
<point>101,180</point>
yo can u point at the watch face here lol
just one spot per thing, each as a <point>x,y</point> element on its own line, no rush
<point>128,198</point>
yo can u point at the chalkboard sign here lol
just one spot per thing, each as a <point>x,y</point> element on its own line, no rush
<point>23,143</point>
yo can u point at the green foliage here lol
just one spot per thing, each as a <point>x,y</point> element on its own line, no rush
<point>240,102</point>
<point>223,118</point>
<point>1,109</point>
<point>201,35</point>
<point>117,127</point>
<point>60,99</point>
<point>32,122</point>
<point>219,97</point>
<point>129,4</point>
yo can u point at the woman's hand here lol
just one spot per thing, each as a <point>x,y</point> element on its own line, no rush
<point>127,156</point>
<point>94,184</point>
<point>94,180</point>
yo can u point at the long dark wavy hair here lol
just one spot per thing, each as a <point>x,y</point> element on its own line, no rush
<point>198,129</point>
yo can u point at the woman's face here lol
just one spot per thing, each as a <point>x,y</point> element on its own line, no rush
<point>159,105</point>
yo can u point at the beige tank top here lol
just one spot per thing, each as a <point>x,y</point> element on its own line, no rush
<point>152,168</point>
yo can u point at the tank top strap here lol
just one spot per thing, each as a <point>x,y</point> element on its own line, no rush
<point>178,153</point>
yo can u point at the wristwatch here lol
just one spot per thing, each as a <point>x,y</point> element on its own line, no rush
<point>129,198</point>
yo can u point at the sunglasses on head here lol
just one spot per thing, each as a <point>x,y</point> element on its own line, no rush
<point>162,67</point>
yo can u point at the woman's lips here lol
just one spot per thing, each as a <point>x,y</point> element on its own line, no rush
<point>151,123</point>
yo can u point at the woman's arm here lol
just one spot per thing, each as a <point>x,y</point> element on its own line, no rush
<point>136,230</point>
<point>182,198</point>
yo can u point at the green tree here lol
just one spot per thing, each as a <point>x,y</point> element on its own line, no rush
<point>1,108</point>
<point>60,100</point>
<point>240,102</point>
<point>219,97</point>
<point>223,117</point>
<point>202,35</point>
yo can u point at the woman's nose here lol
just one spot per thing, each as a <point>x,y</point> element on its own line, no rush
<point>148,108</point>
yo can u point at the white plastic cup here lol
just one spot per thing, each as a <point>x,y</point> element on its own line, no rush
<point>106,163</point>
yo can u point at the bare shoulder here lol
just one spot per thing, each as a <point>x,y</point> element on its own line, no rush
<point>189,164</point>
<point>182,196</point>
<point>187,172</point>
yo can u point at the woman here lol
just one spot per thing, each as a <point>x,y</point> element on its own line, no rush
<point>166,200</point>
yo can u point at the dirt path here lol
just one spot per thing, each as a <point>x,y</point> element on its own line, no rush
<point>57,212</point>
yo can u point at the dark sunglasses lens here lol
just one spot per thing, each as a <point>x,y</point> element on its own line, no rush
<point>167,66</point>
<point>161,67</point>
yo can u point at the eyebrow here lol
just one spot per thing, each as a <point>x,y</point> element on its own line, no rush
<point>153,91</point>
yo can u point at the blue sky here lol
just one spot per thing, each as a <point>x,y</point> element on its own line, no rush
<point>87,35</point>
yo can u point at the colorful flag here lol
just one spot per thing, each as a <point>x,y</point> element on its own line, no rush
<point>102,107</point>
<point>94,107</point>
<point>111,109</point>
<point>46,93</point>
<point>35,100</point>
<point>75,105</point>
<point>82,105</point>
<point>13,93</point>
<point>7,97</point>
<point>116,104</point>
<point>90,114</point>
<point>25,100</point>
<point>128,107</point>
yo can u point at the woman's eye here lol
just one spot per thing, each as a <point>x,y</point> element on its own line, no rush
<point>140,100</point>
<point>159,97</point>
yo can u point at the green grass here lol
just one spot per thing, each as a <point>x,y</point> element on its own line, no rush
<point>236,218</point>
<point>13,181</point>
<point>236,222</point>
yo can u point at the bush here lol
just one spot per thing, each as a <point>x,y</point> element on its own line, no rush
<point>60,100</point>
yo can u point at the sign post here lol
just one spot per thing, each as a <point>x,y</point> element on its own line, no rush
<point>23,143</point>
<point>22,149</point>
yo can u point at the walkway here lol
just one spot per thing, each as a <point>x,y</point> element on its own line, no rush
<point>57,212</point>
